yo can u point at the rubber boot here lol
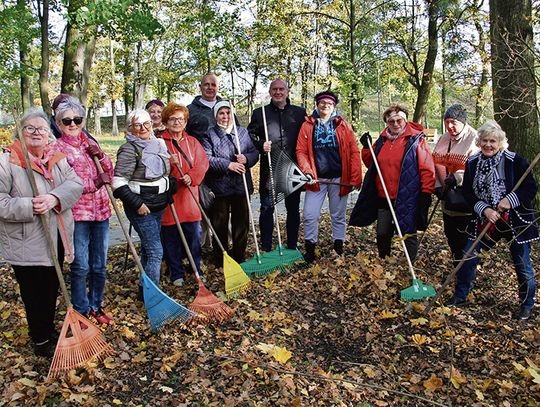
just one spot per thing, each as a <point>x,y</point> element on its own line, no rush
<point>309,257</point>
<point>338,246</point>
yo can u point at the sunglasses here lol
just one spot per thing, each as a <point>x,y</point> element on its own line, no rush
<point>66,121</point>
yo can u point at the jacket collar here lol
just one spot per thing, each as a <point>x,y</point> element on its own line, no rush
<point>17,157</point>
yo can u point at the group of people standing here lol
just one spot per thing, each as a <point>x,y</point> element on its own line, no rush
<point>171,150</point>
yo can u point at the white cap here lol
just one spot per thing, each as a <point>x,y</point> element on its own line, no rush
<point>219,105</point>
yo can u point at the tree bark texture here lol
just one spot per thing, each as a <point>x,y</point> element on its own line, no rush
<point>514,86</point>
<point>44,85</point>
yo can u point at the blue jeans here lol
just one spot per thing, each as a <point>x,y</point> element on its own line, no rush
<point>91,241</point>
<point>174,251</point>
<point>522,263</point>
<point>266,220</point>
<point>148,228</point>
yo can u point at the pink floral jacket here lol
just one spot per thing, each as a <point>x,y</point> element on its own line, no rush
<point>94,203</point>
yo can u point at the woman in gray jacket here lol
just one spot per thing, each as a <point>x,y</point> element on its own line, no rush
<point>22,239</point>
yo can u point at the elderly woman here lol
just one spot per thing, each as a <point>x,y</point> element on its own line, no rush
<point>154,109</point>
<point>141,181</point>
<point>488,184</point>
<point>22,239</point>
<point>224,178</point>
<point>409,175</point>
<point>327,150</point>
<point>450,155</point>
<point>187,154</point>
<point>91,212</point>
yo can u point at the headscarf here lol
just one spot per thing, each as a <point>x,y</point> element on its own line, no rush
<point>153,153</point>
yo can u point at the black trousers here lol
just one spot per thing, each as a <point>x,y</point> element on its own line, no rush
<point>39,291</point>
<point>236,208</point>
<point>454,229</point>
<point>385,232</point>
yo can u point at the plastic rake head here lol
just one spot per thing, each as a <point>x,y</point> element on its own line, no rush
<point>161,308</point>
<point>286,174</point>
<point>263,265</point>
<point>236,280</point>
<point>417,291</point>
<point>286,257</point>
<point>210,308</point>
<point>76,345</point>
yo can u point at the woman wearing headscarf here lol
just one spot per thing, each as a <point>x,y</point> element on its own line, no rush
<point>489,179</point>
<point>91,213</point>
<point>141,181</point>
<point>326,150</point>
<point>22,240</point>
<point>224,178</point>
<point>450,154</point>
<point>155,109</point>
<point>187,154</point>
<point>409,175</point>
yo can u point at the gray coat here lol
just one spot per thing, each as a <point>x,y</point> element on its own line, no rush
<point>22,238</point>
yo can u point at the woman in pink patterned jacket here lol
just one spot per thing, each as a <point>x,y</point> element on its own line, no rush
<point>91,212</point>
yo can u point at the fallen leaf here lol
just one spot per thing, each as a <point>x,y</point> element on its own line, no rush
<point>282,355</point>
<point>419,339</point>
<point>434,383</point>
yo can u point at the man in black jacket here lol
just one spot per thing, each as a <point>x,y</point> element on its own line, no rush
<point>201,115</point>
<point>283,121</point>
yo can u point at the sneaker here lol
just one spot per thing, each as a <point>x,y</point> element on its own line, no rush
<point>101,317</point>
<point>179,282</point>
<point>455,302</point>
<point>524,313</point>
<point>45,349</point>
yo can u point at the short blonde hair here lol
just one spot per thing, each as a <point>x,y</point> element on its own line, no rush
<point>492,128</point>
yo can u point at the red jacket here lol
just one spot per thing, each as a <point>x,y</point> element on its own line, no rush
<point>351,165</point>
<point>186,207</point>
<point>390,157</point>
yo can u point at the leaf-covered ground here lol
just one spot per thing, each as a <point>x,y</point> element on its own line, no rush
<point>331,334</point>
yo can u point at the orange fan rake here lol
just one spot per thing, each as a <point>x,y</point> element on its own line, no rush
<point>454,162</point>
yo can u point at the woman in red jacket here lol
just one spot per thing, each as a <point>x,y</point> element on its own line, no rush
<point>327,150</point>
<point>187,153</point>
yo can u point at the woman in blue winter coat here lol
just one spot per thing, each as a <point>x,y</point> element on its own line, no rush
<point>224,178</point>
<point>490,177</point>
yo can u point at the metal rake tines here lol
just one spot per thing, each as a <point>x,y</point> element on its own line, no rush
<point>287,175</point>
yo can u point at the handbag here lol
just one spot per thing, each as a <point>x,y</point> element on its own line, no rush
<point>206,197</point>
<point>455,201</point>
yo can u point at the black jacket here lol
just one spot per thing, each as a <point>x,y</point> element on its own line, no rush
<point>283,128</point>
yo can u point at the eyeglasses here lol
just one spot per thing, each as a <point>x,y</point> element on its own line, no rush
<point>34,130</point>
<point>398,121</point>
<point>66,121</point>
<point>176,120</point>
<point>139,126</point>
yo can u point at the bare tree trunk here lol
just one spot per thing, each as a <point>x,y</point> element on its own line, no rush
<point>97,121</point>
<point>482,87</point>
<point>429,64</point>
<point>139,83</point>
<point>443,74</point>
<point>513,68</point>
<point>88,58</point>
<point>114,130</point>
<point>26,100</point>
<point>44,86</point>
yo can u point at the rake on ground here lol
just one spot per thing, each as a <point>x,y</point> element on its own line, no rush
<point>160,308</point>
<point>75,345</point>
<point>208,307</point>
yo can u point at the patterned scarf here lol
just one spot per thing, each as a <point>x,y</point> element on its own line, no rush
<point>488,184</point>
<point>325,130</point>
<point>153,154</point>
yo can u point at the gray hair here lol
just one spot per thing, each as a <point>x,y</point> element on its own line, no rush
<point>137,114</point>
<point>71,103</point>
<point>33,113</point>
<point>492,128</point>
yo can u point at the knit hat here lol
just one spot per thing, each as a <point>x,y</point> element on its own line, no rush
<point>219,105</point>
<point>154,102</point>
<point>62,97</point>
<point>456,112</point>
<point>327,94</point>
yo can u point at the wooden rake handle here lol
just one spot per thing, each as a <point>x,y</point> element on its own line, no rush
<point>475,243</point>
<point>43,217</point>
<point>122,224</point>
<point>184,241</point>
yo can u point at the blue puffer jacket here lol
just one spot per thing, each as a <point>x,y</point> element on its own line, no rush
<point>412,216</point>
<point>221,149</point>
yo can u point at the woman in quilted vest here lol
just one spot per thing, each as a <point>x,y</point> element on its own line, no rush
<point>409,174</point>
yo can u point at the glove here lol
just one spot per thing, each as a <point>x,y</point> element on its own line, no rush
<point>366,140</point>
<point>102,179</point>
<point>439,192</point>
<point>450,181</point>
<point>94,151</point>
